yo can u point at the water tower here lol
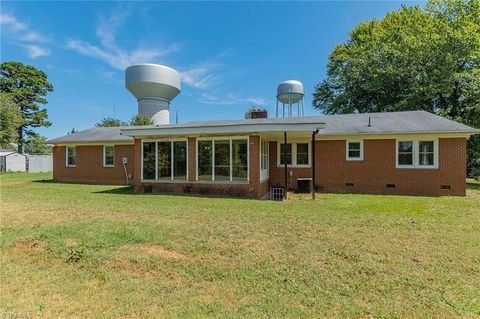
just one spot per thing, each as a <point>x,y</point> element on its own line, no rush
<point>290,94</point>
<point>154,86</point>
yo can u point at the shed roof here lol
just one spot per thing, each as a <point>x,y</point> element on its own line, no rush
<point>342,124</point>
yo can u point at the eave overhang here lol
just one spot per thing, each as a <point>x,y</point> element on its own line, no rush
<point>221,129</point>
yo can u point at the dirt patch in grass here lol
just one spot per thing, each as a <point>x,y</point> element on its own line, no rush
<point>473,194</point>
<point>129,267</point>
<point>30,245</point>
<point>153,250</point>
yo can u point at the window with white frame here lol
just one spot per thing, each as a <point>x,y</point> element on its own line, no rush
<point>417,153</point>
<point>426,154</point>
<point>71,156</point>
<point>264,155</point>
<point>164,160</point>
<point>297,154</point>
<point>302,154</point>
<point>264,145</point>
<point>222,160</point>
<point>354,150</point>
<point>286,154</point>
<point>108,156</point>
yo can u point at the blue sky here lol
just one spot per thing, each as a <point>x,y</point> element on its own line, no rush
<point>230,54</point>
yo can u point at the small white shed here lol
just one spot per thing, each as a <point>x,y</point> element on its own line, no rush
<point>12,162</point>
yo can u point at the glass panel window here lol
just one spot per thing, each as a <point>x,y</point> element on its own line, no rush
<point>405,153</point>
<point>239,160</point>
<point>425,153</point>
<point>180,160</point>
<point>71,156</point>
<point>164,160</point>
<point>288,149</point>
<point>302,154</point>
<point>264,155</point>
<point>108,156</point>
<point>222,160</point>
<point>354,150</point>
<point>204,160</point>
<point>149,160</point>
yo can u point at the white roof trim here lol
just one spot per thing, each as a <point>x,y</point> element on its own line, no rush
<point>223,129</point>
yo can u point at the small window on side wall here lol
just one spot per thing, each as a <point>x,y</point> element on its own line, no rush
<point>417,154</point>
<point>354,150</point>
<point>71,156</point>
<point>108,156</point>
<point>286,148</point>
<point>405,153</point>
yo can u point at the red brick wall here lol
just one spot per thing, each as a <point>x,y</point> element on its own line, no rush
<point>332,170</point>
<point>89,165</point>
<point>192,158</point>
<point>137,164</point>
<point>378,169</point>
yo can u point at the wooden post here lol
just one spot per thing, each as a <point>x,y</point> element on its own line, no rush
<point>286,166</point>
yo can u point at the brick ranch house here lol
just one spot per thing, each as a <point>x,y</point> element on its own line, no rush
<point>416,153</point>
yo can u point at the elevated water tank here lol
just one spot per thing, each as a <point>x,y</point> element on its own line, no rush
<point>290,91</point>
<point>289,94</point>
<point>154,86</point>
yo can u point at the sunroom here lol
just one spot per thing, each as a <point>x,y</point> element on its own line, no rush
<point>223,157</point>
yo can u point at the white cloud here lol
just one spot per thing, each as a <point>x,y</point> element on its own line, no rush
<point>33,36</point>
<point>35,51</point>
<point>231,99</point>
<point>109,52</point>
<point>118,58</point>
<point>12,22</point>
<point>257,101</point>
<point>24,37</point>
<point>200,77</point>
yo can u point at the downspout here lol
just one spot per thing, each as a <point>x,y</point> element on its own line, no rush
<point>313,163</point>
<point>125,169</point>
<point>286,166</point>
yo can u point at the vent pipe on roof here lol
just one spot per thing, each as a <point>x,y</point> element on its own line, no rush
<point>154,86</point>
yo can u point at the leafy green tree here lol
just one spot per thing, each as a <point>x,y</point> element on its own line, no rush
<point>140,120</point>
<point>36,145</point>
<point>10,120</point>
<point>136,120</point>
<point>109,122</point>
<point>27,87</point>
<point>413,59</point>
<point>248,113</point>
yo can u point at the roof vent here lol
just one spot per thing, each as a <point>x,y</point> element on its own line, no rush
<point>154,86</point>
<point>290,93</point>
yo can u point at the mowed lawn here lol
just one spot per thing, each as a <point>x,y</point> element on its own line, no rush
<point>104,252</point>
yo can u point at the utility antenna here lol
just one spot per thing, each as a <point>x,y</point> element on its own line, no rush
<point>176,117</point>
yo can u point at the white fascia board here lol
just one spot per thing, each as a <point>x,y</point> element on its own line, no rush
<point>224,129</point>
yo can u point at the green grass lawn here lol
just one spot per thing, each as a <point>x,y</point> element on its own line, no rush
<point>102,251</point>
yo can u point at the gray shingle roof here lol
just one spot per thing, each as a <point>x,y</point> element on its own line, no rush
<point>96,134</point>
<point>342,124</point>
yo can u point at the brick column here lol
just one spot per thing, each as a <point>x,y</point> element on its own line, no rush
<point>192,158</point>
<point>254,169</point>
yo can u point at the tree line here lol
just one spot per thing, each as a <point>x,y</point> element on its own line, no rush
<point>412,59</point>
